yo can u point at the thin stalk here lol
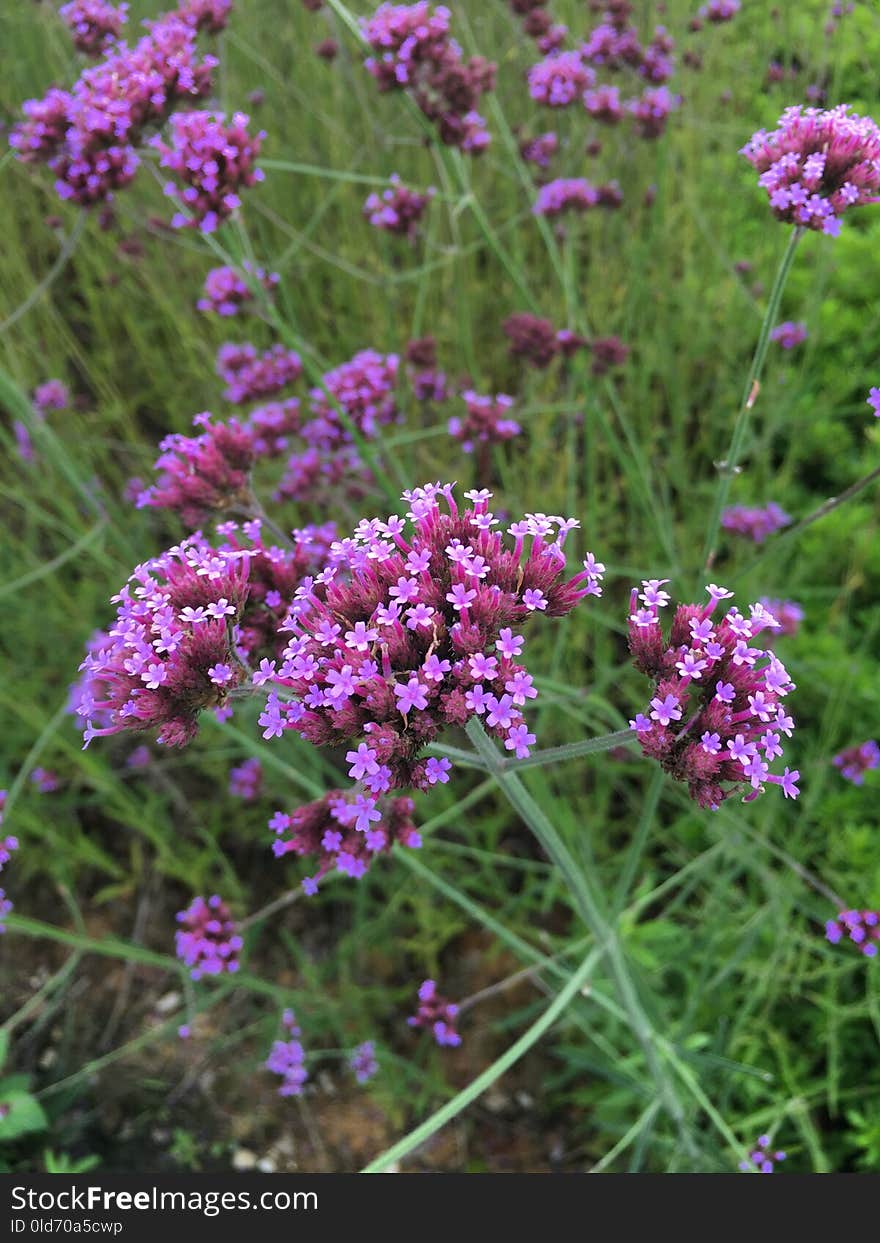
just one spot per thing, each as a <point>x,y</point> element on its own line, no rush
<point>727,468</point>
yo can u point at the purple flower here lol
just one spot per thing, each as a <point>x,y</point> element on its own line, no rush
<point>651,110</point>
<point>287,1058</point>
<point>789,334</point>
<point>761,1160</point>
<point>225,293</point>
<point>7,844</point>
<point>364,390</point>
<point>437,1014</point>
<point>787,613</point>
<point>559,79</point>
<point>94,24</point>
<point>816,165</point>
<point>854,762</point>
<point>214,160</point>
<point>51,395</point>
<point>45,780</point>
<point>207,941</point>
<point>246,780</point>
<point>398,209</point>
<point>874,401</point>
<point>707,731</point>
<point>486,421</point>
<point>249,375</point>
<point>862,928</point>
<point>539,150</point>
<point>755,522</point>
<point>565,194</point>
<point>363,1061</point>
<point>5,910</point>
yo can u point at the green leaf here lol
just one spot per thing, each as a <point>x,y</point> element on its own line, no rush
<point>22,1115</point>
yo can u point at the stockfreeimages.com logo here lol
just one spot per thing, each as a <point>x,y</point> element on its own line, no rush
<point>208,1203</point>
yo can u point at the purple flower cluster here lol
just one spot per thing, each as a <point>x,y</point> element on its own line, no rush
<point>416,53</point>
<point>209,15</point>
<point>204,474</point>
<point>604,104</point>
<point>321,477</point>
<point>169,654</point>
<point>5,910</point>
<point>343,831</point>
<point>539,150</point>
<point>862,928</point>
<point>816,165</point>
<point>428,383</point>
<point>789,334</point>
<point>363,389</point>
<point>214,160</point>
<point>565,194</point>
<point>246,780</point>
<point>94,24</point>
<point>651,110</point>
<point>537,24</point>
<point>531,338</point>
<point>225,293</point>
<point>51,395</point>
<point>761,1160</point>
<point>88,135</point>
<point>437,1015</point>
<point>607,352</point>
<point>560,79</point>
<point>854,762</point>
<point>755,522</point>
<point>398,209</point>
<point>874,401</point>
<point>46,781</point>
<point>715,720</point>
<point>249,375</point>
<point>207,941</point>
<point>788,613</point>
<point>407,632</point>
<point>288,1057</point>
<point>8,845</point>
<point>363,1061</point>
<point>485,422</point>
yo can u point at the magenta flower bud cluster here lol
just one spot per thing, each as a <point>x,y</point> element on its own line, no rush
<point>364,390</point>
<point>345,832</point>
<point>225,293</point>
<point>755,522</point>
<point>249,375</point>
<point>414,51</point>
<point>8,845</point>
<point>51,395</point>
<point>861,927</point>
<point>817,165</point>
<point>204,474</point>
<point>320,477</point>
<point>94,25</point>
<point>789,334</point>
<point>485,422</point>
<point>88,136</point>
<point>169,653</point>
<point>45,780</point>
<point>608,353</point>
<point>5,910</point>
<point>565,194</point>
<point>716,720</point>
<point>533,339</point>
<point>540,149</point>
<point>718,11</point>
<point>288,1057</point>
<point>397,209</point>
<point>788,613</point>
<point>428,382</point>
<point>537,24</point>
<point>854,762</point>
<point>873,400</point>
<point>437,1015</point>
<point>246,780</point>
<point>214,159</point>
<point>411,629</point>
<point>363,1061</point>
<point>560,79</point>
<point>761,1159</point>
<point>211,16</point>
<point>207,940</point>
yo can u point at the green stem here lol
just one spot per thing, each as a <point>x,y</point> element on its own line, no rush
<point>570,751</point>
<point>589,910</point>
<point>728,467</point>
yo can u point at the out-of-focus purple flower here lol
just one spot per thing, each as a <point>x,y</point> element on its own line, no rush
<point>287,1058</point>
<point>5,910</point>
<point>140,757</point>
<point>214,160</point>
<point>249,375</point>
<point>539,150</point>
<point>205,474</point>
<point>211,16</point>
<point>862,928</point>
<point>531,338</point>
<point>651,110</point>
<point>246,780</point>
<point>398,209</point>
<point>854,762</point>
<point>788,613</point>
<point>761,1159</point>
<point>51,395</point>
<point>409,629</point>
<point>816,165</point>
<point>437,1015</point>
<point>789,334</point>
<point>207,940</point>
<point>565,194</point>
<point>607,353</point>
<point>755,522</point>
<point>225,293</point>
<point>560,79</point>
<point>485,422</point>
<point>327,49</point>
<point>8,845</point>
<point>363,388</point>
<point>175,622</point>
<point>93,24</point>
<point>323,476</point>
<point>604,104</point>
<point>343,831</point>
<point>716,719</point>
<point>46,781</point>
<point>874,401</point>
<point>718,11</point>
<point>363,1061</point>
<point>415,52</point>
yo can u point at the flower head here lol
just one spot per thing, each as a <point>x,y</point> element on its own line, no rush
<point>816,165</point>
<point>565,194</point>
<point>363,389</point>
<point>854,762</point>
<point>214,159</point>
<point>207,940</point>
<point>437,1015</point>
<point>398,209</point>
<point>51,395</point>
<point>287,1058</point>
<point>560,79</point>
<point>225,293</point>
<point>246,779</point>
<point>363,1061</point>
<point>861,927</point>
<point>94,24</point>
<point>485,422</point>
<point>789,334</point>
<point>761,1159</point>
<point>755,522</point>
<point>249,375</point>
